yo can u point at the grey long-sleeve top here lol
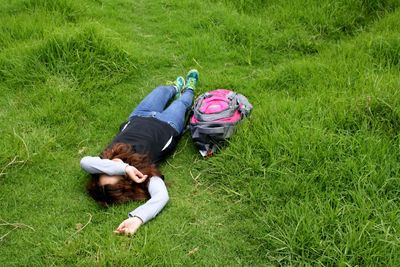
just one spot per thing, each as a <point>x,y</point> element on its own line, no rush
<point>157,189</point>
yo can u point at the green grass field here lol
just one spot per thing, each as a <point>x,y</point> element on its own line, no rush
<point>312,178</point>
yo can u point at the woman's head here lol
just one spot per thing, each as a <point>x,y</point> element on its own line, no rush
<point>105,179</point>
<point>107,189</point>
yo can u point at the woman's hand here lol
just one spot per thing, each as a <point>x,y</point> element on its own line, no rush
<point>135,174</point>
<point>132,172</point>
<point>129,226</point>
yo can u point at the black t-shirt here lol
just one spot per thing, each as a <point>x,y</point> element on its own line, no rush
<point>148,136</point>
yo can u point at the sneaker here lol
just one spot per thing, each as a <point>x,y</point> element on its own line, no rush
<point>179,84</point>
<point>191,80</point>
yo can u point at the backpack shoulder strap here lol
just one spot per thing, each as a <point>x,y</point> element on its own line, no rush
<point>244,105</point>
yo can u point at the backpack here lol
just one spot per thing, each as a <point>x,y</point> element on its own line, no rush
<point>215,117</point>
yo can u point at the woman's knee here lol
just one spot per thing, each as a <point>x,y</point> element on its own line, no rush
<point>164,88</point>
<point>186,100</point>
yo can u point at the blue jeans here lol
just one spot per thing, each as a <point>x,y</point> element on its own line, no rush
<point>153,105</point>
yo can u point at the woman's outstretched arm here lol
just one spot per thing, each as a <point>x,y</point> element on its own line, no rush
<point>158,199</point>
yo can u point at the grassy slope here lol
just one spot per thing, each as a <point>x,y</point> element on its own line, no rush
<point>313,177</point>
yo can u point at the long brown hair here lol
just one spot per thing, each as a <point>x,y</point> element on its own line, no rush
<point>125,189</point>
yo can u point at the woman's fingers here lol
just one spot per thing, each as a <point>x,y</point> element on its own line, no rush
<point>139,174</point>
<point>135,174</point>
<point>139,177</point>
<point>120,227</point>
<point>123,229</point>
<point>141,180</point>
<point>129,226</point>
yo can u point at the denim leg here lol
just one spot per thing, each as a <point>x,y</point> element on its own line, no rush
<point>175,114</point>
<point>154,102</point>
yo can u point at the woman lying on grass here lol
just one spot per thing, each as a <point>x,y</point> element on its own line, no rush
<point>127,168</point>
